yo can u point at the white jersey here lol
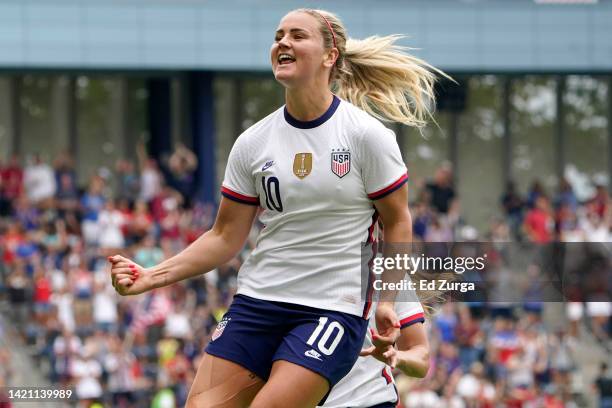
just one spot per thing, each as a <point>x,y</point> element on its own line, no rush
<point>370,381</point>
<point>316,182</point>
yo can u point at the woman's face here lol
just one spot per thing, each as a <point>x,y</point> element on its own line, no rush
<point>297,54</point>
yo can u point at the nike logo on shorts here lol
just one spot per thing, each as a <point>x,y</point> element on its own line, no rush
<point>313,354</point>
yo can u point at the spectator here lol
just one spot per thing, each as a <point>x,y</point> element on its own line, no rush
<point>535,191</point>
<point>67,195</point>
<point>503,343</point>
<point>105,312</point>
<point>469,338</point>
<point>82,289</point>
<point>141,222</point>
<point>166,201</point>
<point>182,166</point>
<point>39,182</point>
<point>438,230</point>
<point>566,196</point>
<point>64,301</point>
<point>538,222</point>
<point>121,365</point>
<point>92,203</point>
<point>421,218</point>
<point>26,214</point>
<point>446,322</point>
<point>177,324</point>
<point>150,176</point>
<point>567,226</point>
<point>64,168</point>
<point>441,191</point>
<point>148,254</point>
<point>110,225</point>
<point>562,358</point>
<point>11,184</point>
<point>603,386</point>
<point>596,228</point>
<point>18,283</point>
<point>421,397</point>
<point>65,348</point>
<point>599,311</point>
<point>600,201</point>
<point>128,182</point>
<point>513,204</point>
<point>86,372</point>
<point>475,389</point>
<point>42,296</point>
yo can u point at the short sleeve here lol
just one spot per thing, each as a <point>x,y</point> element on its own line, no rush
<point>383,169</point>
<point>409,313</point>
<point>238,184</point>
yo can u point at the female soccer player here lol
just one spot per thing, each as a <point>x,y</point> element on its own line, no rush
<point>370,383</point>
<point>323,169</point>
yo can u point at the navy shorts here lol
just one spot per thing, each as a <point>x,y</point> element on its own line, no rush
<point>254,333</point>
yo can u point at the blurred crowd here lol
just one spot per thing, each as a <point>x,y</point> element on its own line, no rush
<point>127,351</point>
<point>503,353</point>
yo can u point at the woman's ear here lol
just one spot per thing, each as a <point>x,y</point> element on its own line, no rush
<point>331,57</point>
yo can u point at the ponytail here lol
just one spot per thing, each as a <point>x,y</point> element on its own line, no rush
<point>388,83</point>
<point>377,75</point>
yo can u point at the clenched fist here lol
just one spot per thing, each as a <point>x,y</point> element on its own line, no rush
<point>128,277</point>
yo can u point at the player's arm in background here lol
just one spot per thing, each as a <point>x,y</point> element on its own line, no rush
<point>412,355</point>
<point>213,248</point>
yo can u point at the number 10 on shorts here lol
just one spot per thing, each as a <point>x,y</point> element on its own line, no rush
<point>329,331</point>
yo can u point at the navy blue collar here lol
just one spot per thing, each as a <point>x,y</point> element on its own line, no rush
<point>309,124</point>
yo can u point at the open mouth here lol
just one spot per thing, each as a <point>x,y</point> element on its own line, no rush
<point>284,59</point>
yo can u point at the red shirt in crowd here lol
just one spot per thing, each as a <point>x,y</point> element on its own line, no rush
<point>42,290</point>
<point>538,222</point>
<point>12,181</point>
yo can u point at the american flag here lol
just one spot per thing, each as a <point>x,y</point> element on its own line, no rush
<point>152,310</point>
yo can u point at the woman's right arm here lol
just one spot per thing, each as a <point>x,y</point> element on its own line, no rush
<point>213,248</point>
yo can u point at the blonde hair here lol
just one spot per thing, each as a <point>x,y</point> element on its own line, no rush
<point>377,75</point>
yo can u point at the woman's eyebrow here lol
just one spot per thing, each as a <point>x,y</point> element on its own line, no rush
<point>293,30</point>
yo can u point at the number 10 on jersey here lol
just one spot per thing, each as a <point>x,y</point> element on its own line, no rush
<point>271,188</point>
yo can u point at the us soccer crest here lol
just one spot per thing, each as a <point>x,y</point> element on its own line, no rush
<point>220,327</point>
<point>340,162</point>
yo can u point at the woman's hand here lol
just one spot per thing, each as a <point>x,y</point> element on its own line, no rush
<point>128,277</point>
<point>385,354</point>
<point>387,324</point>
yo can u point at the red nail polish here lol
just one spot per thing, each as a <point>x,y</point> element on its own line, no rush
<point>397,325</point>
<point>132,266</point>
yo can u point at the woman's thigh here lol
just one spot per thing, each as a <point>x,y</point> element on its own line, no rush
<point>291,385</point>
<point>220,383</point>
